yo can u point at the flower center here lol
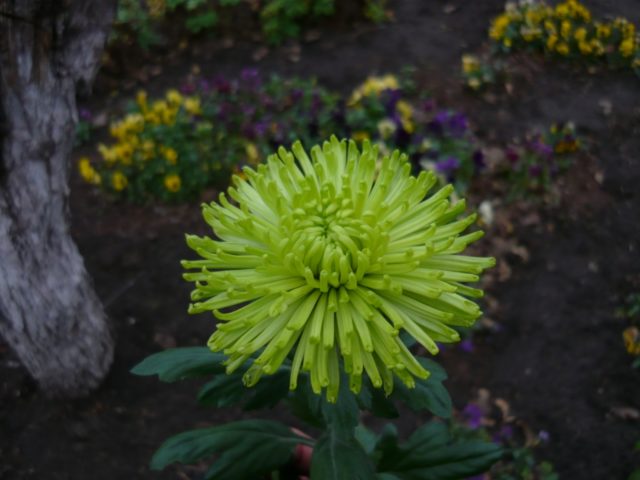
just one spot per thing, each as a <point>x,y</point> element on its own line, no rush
<point>330,243</point>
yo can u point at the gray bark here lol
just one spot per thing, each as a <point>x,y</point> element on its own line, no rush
<point>49,312</point>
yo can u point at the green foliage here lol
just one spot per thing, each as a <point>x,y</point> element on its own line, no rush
<point>180,363</point>
<point>245,449</point>
<point>432,454</point>
<point>279,19</point>
<point>345,449</point>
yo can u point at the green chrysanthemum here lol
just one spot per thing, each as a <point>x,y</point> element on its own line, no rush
<point>334,255</point>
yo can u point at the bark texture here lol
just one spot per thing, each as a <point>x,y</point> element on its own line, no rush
<point>49,312</point>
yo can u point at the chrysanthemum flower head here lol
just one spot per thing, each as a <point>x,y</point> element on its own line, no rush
<point>327,258</point>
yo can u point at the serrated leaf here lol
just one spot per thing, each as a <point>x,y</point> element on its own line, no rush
<point>180,363</point>
<point>246,448</point>
<point>431,454</point>
<point>338,456</point>
<point>429,394</point>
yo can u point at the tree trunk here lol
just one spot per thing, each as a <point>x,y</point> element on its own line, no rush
<point>49,312</point>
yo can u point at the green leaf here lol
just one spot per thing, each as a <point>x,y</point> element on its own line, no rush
<point>197,23</point>
<point>180,363</point>
<point>429,394</point>
<point>246,449</point>
<point>338,456</point>
<point>225,390</point>
<point>222,391</point>
<point>366,438</point>
<point>431,454</point>
<point>344,414</point>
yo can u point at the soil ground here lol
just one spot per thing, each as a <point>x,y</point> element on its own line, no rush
<point>558,358</point>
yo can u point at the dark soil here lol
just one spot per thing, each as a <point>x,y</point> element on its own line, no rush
<point>558,358</point>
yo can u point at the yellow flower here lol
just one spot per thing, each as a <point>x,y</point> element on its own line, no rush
<point>148,149</point>
<point>172,182</point>
<point>627,47</point>
<point>474,83</point>
<point>124,153</point>
<point>108,154</point>
<point>174,97</point>
<point>252,153</point>
<point>386,128</point>
<point>406,115</point>
<point>118,181</point>
<point>499,27</point>
<point>603,31</point>
<point>157,8</point>
<point>360,136</point>
<point>141,100</point>
<point>530,34</point>
<point>551,42</point>
<point>192,106</point>
<point>470,63</point>
<point>631,338</point>
<point>170,154</point>
<point>580,34</point>
<point>598,48</point>
<point>563,48</point>
<point>562,10</point>
<point>585,48</point>
<point>565,29</point>
<point>87,172</point>
<point>373,86</point>
<point>550,26</point>
<point>507,42</point>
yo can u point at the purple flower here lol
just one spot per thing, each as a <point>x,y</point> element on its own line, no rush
<point>296,95</point>
<point>260,128</point>
<point>429,105</point>
<point>205,85</point>
<point>250,77</point>
<point>458,124</point>
<point>316,103</point>
<point>84,114</point>
<point>472,415</point>
<point>512,156</point>
<point>390,99</point>
<point>535,170</point>
<point>221,84</point>
<point>248,110</point>
<point>544,436</point>
<point>448,165</point>
<point>187,88</point>
<point>504,434</point>
<point>542,148</point>
<point>466,345</point>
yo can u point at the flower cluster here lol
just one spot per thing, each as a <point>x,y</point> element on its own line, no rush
<point>435,139</point>
<point>163,147</point>
<point>566,30</point>
<point>327,257</point>
<point>477,71</point>
<point>531,165</point>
